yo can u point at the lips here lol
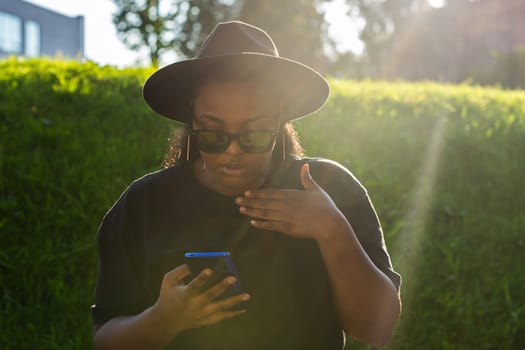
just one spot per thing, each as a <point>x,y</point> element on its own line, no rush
<point>233,169</point>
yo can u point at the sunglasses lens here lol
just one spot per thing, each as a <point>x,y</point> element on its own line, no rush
<point>256,141</point>
<point>249,142</point>
<point>212,141</point>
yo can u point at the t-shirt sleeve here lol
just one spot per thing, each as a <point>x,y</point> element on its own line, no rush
<point>352,199</point>
<point>120,289</point>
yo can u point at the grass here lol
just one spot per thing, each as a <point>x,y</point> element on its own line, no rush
<point>443,165</point>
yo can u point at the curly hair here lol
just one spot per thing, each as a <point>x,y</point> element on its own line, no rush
<point>178,145</point>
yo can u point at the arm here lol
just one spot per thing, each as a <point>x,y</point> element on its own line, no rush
<point>179,307</point>
<point>143,331</point>
<point>366,300</point>
<point>123,318</point>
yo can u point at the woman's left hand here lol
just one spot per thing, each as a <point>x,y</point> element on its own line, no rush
<point>306,214</point>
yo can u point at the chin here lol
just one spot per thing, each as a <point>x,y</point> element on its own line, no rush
<point>236,186</point>
<point>231,189</point>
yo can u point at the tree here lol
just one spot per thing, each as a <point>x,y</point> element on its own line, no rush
<point>161,26</point>
<point>298,28</point>
<point>385,20</point>
<point>464,40</point>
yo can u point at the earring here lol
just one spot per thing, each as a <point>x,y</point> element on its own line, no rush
<point>284,147</point>
<point>188,149</point>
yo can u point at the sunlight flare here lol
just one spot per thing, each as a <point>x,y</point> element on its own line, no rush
<point>408,244</point>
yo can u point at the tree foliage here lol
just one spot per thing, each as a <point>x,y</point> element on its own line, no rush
<point>384,20</point>
<point>464,40</point>
<point>159,26</point>
<point>480,41</point>
<point>297,26</point>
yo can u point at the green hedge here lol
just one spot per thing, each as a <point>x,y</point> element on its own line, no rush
<point>72,137</point>
<point>443,164</point>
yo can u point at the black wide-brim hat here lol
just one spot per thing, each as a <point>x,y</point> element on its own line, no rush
<point>246,49</point>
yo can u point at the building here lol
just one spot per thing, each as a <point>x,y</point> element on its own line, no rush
<point>30,30</point>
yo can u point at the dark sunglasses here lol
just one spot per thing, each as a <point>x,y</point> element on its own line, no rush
<point>211,141</point>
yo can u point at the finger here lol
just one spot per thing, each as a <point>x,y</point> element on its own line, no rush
<point>264,214</point>
<point>177,275</point>
<point>227,303</point>
<point>277,226</point>
<point>223,305</point>
<point>307,181</point>
<point>215,291</point>
<point>257,203</point>
<point>268,193</point>
<point>198,282</point>
<point>219,316</point>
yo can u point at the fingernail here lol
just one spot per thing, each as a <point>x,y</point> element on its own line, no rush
<point>207,272</point>
<point>238,200</point>
<point>247,193</point>
<point>242,209</point>
<point>230,280</point>
<point>246,297</point>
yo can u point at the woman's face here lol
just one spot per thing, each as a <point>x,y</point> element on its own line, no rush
<point>234,107</point>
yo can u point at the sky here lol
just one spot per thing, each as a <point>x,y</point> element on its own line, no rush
<point>102,45</point>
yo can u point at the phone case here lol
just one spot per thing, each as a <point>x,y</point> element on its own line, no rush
<point>222,266</point>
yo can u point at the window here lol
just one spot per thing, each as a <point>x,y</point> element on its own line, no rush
<point>32,38</point>
<point>10,33</point>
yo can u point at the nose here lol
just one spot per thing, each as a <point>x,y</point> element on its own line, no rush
<point>233,147</point>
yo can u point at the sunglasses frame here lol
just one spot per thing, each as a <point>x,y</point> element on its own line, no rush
<point>237,137</point>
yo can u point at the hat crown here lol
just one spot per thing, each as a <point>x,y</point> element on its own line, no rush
<point>236,37</point>
<point>236,46</point>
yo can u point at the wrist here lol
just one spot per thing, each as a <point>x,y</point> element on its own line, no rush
<point>165,326</point>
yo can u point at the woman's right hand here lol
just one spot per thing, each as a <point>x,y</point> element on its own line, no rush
<point>182,306</point>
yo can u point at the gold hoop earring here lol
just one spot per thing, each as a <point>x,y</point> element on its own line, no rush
<point>188,149</point>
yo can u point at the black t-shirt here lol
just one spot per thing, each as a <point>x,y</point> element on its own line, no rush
<point>167,213</point>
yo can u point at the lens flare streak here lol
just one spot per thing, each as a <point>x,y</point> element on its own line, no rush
<point>407,247</point>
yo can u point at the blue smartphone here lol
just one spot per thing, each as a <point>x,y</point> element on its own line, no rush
<point>222,266</point>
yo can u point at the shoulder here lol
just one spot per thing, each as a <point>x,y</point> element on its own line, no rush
<point>159,179</point>
<point>154,185</point>
<point>334,177</point>
<point>157,183</point>
<point>142,196</point>
<point>328,166</point>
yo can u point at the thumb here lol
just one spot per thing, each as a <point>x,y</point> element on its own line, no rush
<point>307,181</point>
<point>177,275</point>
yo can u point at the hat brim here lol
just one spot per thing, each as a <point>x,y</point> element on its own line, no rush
<point>169,90</point>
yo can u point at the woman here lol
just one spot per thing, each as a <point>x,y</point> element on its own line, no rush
<point>302,232</point>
